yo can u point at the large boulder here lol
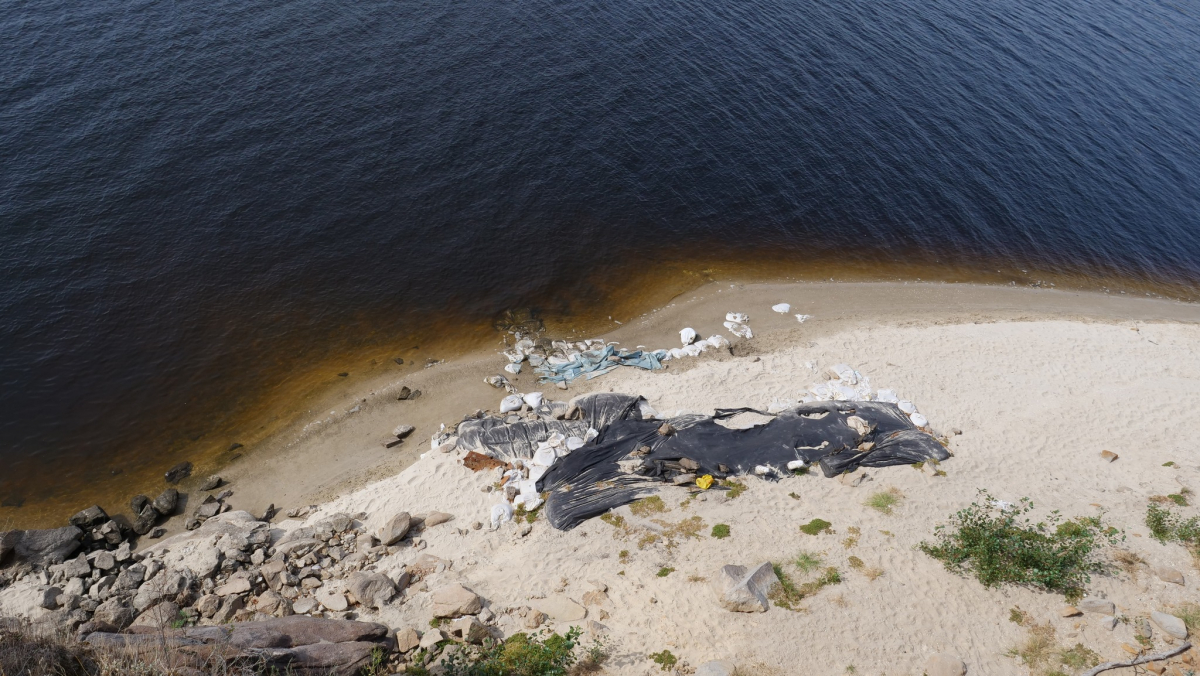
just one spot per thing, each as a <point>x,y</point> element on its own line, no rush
<point>145,520</point>
<point>166,502</point>
<point>395,529</point>
<point>323,659</point>
<point>76,567</point>
<point>298,630</point>
<point>1170,624</point>
<point>745,590</point>
<point>113,615</point>
<point>370,589</point>
<point>455,600</point>
<point>40,547</point>
<point>89,518</point>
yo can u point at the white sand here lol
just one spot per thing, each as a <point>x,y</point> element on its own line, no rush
<point>1036,401</point>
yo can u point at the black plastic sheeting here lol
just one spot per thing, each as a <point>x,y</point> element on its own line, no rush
<point>631,459</point>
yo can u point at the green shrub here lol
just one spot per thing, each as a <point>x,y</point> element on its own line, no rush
<point>736,488</point>
<point>884,501</point>
<point>807,562</point>
<point>538,654</point>
<point>665,660</point>
<point>1000,547</point>
<point>1166,526</point>
<point>663,572</point>
<point>720,531</point>
<point>815,526</point>
<point>788,594</point>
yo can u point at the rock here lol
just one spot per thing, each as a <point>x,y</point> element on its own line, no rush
<point>304,605</point>
<point>123,553</point>
<point>594,598</point>
<point>437,518</point>
<point>396,529</point>
<point>468,630</point>
<point>716,668</point>
<point>74,587</point>
<point>853,479</point>
<point>373,590</point>
<point>689,465</point>
<point>476,525</point>
<point>203,561</point>
<point>178,473</point>
<point>431,639</point>
<point>157,533</point>
<point>229,607</point>
<point>104,560</point>
<point>130,578</point>
<point>1108,622</point>
<point>272,603</point>
<point>665,430</point>
<point>89,518</point>
<point>137,502</point>
<point>683,479</point>
<point>40,547</point>
<point>110,531</point>
<point>560,608</point>
<point>534,619</point>
<point>49,599</point>
<point>405,391</point>
<point>1169,575</point>
<point>113,614</point>
<point>407,640</point>
<point>1109,456</point>
<point>76,567</point>
<point>160,616</point>
<point>1098,606</point>
<point>455,600</point>
<point>210,483</point>
<point>209,508</point>
<point>1070,611</point>
<point>332,599</point>
<point>403,431</point>
<point>942,664</point>
<point>237,585</point>
<point>1170,624</point>
<point>323,659</point>
<point>166,502</point>
<point>745,591</point>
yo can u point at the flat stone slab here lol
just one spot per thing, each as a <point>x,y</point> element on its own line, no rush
<point>560,608</point>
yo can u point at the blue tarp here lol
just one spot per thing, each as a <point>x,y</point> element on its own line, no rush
<point>594,363</point>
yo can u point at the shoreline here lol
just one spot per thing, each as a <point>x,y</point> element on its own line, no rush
<point>326,450</point>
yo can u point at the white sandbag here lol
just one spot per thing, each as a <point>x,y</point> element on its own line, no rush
<point>533,399</point>
<point>501,513</point>
<point>512,402</point>
<point>575,443</point>
<point>513,368</point>
<point>544,455</point>
<point>646,410</point>
<point>694,349</point>
<point>556,440</point>
<point>718,341</point>
<point>907,406</point>
<point>514,356</point>
<point>843,392</point>
<point>592,433</point>
<point>762,470</point>
<point>796,464</point>
<point>919,420</point>
<point>886,396</point>
<point>736,317</point>
<point>781,308</point>
<point>739,330</point>
<point>687,336</point>
<point>803,318</point>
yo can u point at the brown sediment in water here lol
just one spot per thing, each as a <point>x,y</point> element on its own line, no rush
<point>255,409</point>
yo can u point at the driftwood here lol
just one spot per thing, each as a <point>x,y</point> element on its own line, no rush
<point>1141,660</point>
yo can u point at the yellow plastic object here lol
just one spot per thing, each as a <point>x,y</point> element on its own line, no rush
<point>705,481</point>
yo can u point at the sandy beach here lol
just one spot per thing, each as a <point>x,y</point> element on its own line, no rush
<point>1029,386</point>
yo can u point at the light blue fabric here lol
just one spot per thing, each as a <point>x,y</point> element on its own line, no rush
<point>595,363</point>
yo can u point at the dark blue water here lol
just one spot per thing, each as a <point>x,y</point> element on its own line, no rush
<point>198,197</point>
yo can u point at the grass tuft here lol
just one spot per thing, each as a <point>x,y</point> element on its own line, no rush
<point>884,502</point>
<point>665,660</point>
<point>736,488</point>
<point>720,531</point>
<point>647,506</point>
<point>665,571</point>
<point>816,526</point>
<point>807,562</point>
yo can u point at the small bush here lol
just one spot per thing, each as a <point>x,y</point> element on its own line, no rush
<point>720,531</point>
<point>623,556</point>
<point>816,526</point>
<point>648,506</point>
<point>788,594</point>
<point>999,547</point>
<point>614,520</point>
<point>539,654</point>
<point>663,572</point>
<point>884,501</point>
<point>807,562</point>
<point>665,660</point>
<point>1166,526</point>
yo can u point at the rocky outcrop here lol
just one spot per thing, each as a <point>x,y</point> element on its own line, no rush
<point>39,547</point>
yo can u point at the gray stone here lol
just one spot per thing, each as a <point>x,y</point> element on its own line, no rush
<point>236,585</point>
<point>159,616</point>
<point>683,479</point>
<point>110,531</point>
<point>104,561</point>
<point>561,608</point>
<point>407,640</point>
<point>145,520</point>
<point>76,567</point>
<point>304,605</point>
<point>208,605</point>
<point>437,518</point>
<point>229,607</point>
<point>403,431</point>
<point>332,599</point>
<point>1108,622</point>
<point>1169,575</point>
<point>431,638</point>
<point>743,590</point>
<point>455,600</point>
<point>272,603</point>
<point>716,668</point>
<point>50,598</point>
<point>131,578</point>
<point>178,473</point>
<point>322,659</point>
<point>89,518</point>
<point>208,509</point>
<point>396,529</point>
<point>468,630</point>
<point>123,553</point>
<point>41,547</point>
<point>534,619</point>
<point>75,586</point>
<point>203,560</point>
<point>1169,624</point>
<point>166,502</point>
<point>1098,606</point>
<point>113,614</point>
<point>210,483</point>
<point>942,664</point>
<point>137,502</point>
<point>370,589</point>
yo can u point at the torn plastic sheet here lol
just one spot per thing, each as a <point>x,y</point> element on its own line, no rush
<point>594,363</point>
<point>625,457</point>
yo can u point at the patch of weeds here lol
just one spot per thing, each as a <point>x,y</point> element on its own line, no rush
<point>807,562</point>
<point>647,540</point>
<point>686,503</point>
<point>870,573</point>
<point>436,622</point>
<point>998,546</point>
<point>614,520</point>
<point>1169,463</point>
<point>887,533</point>
<point>736,488</point>
<point>1037,650</point>
<point>800,471</point>
<point>1079,657</point>
<point>720,531</point>
<point>855,562</point>
<point>885,501</point>
<point>1178,498</point>
<point>851,669</point>
<point>1166,526</point>
<point>1190,614</point>
<point>1128,561</point>
<point>690,527</point>
<point>1018,616</point>
<point>793,496</point>
<point>539,654</point>
<point>788,594</point>
<point>647,506</point>
<point>665,660</point>
<point>816,526</point>
<point>697,578</point>
<point>852,540</point>
<point>623,557</point>
<point>919,466</point>
<point>665,571</point>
